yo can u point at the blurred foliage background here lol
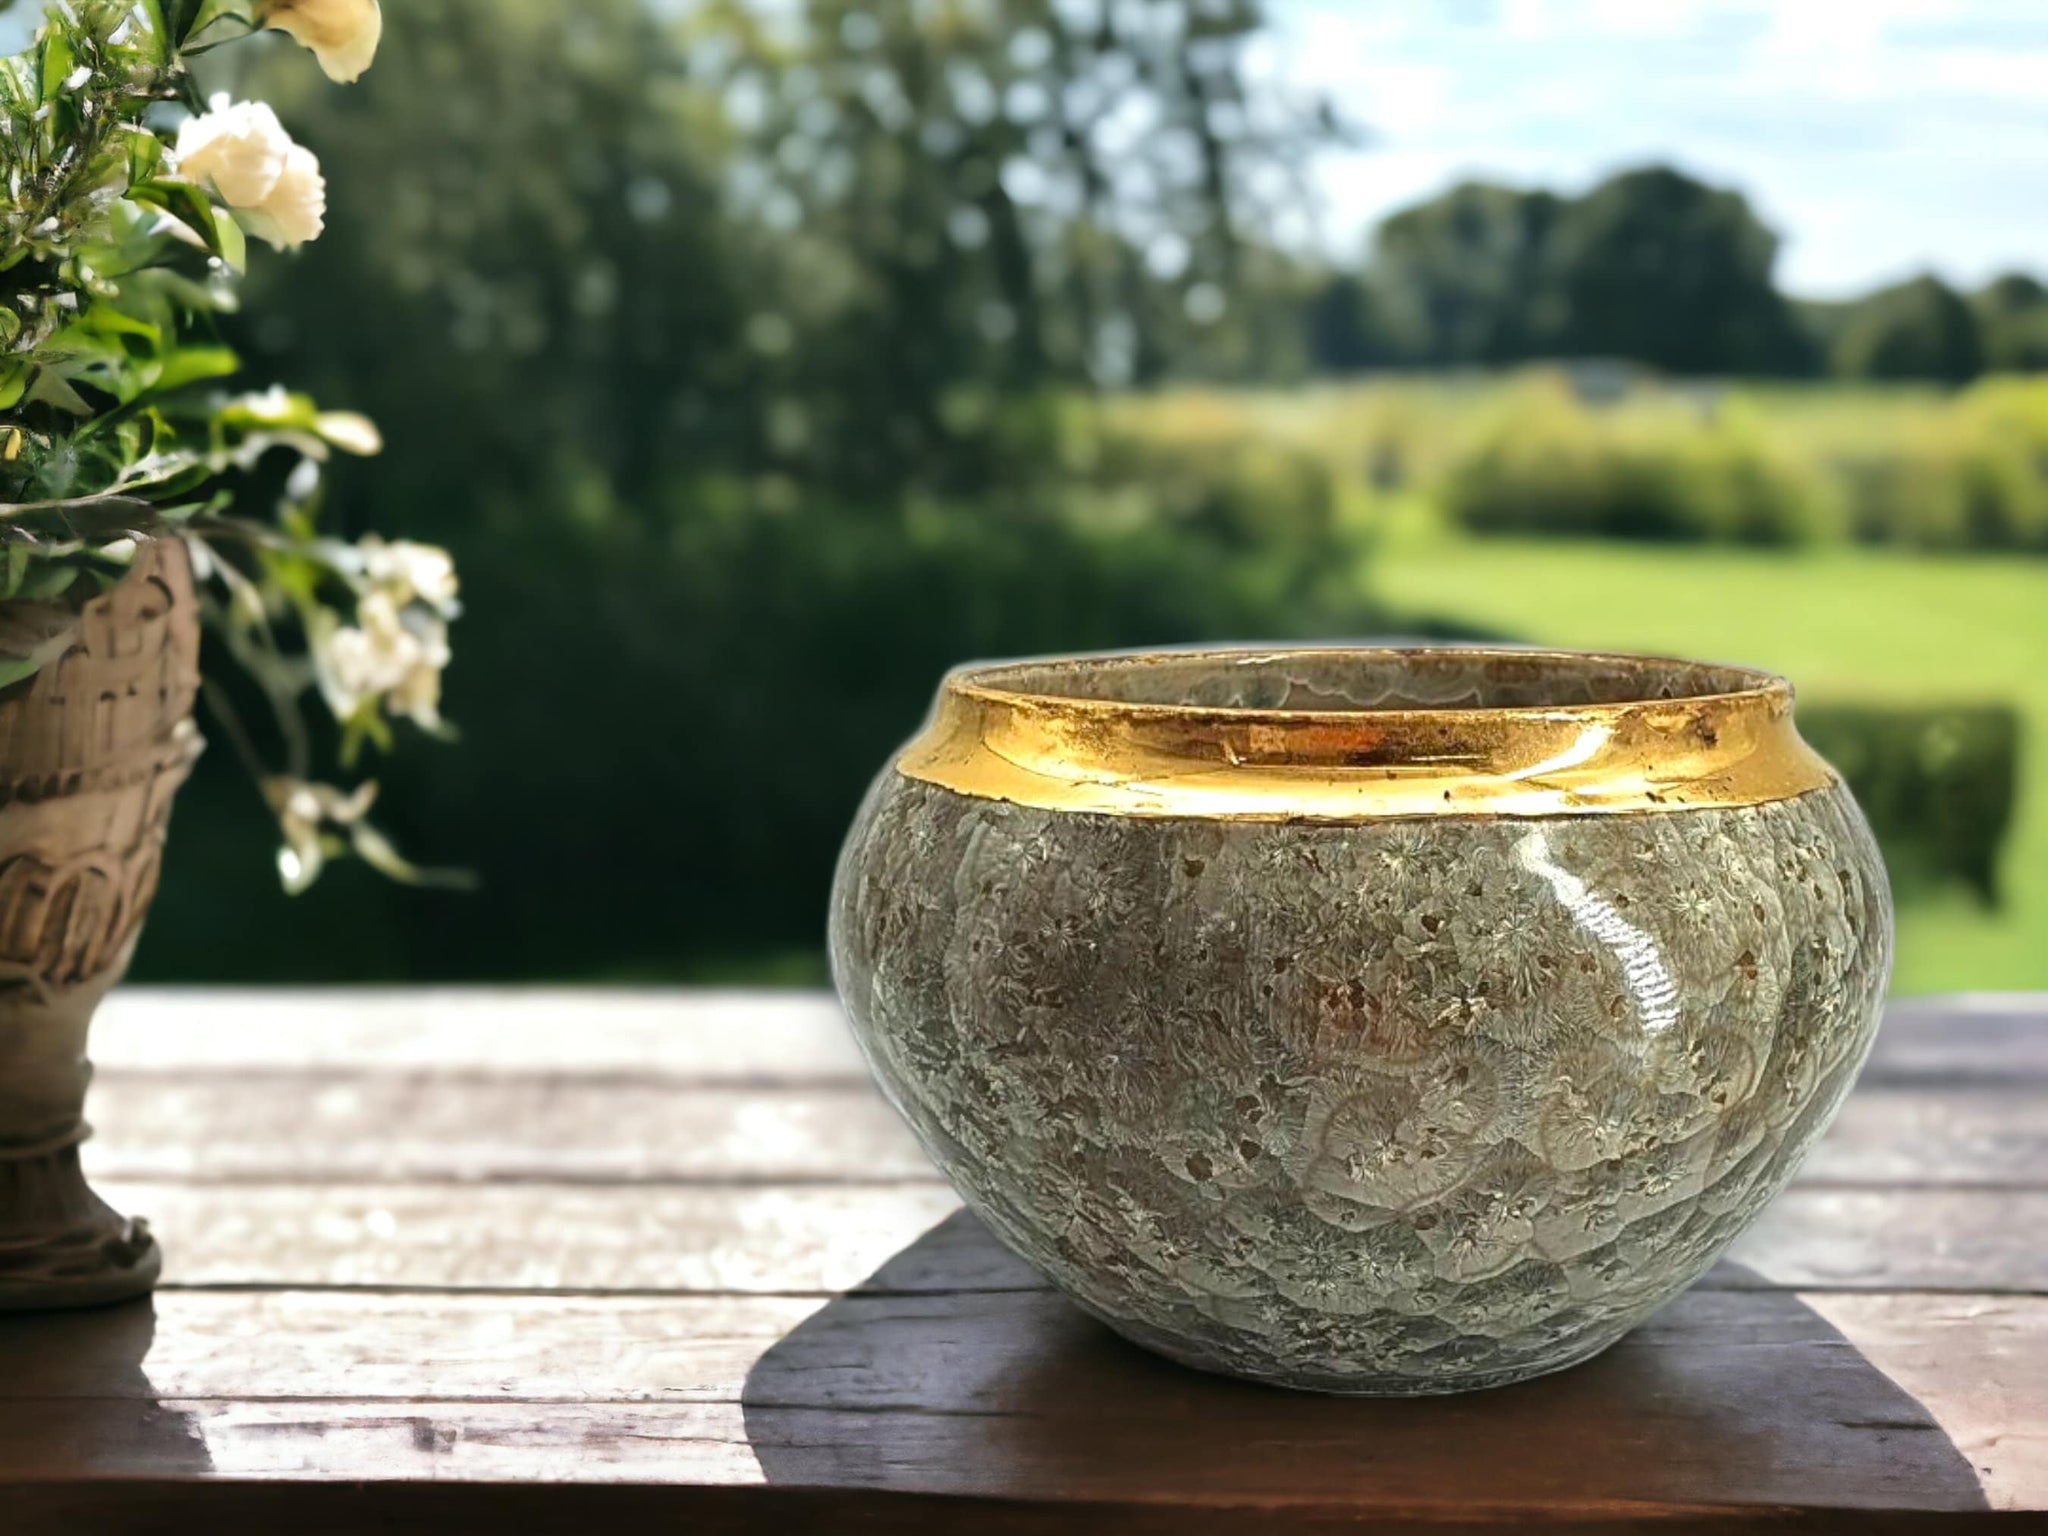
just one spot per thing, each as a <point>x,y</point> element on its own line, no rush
<point>760,361</point>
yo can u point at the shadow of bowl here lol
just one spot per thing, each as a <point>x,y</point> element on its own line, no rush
<point>954,1370</point>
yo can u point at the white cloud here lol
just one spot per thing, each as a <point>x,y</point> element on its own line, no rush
<point>2022,76</point>
<point>1879,136</point>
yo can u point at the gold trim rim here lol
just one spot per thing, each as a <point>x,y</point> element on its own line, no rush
<point>989,739</point>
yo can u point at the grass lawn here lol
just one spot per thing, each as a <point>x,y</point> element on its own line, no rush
<point>1845,624</point>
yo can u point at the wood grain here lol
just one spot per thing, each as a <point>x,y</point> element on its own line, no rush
<point>727,1036</point>
<point>360,1126</point>
<point>277,1345</point>
<point>1900,1239</point>
<point>799,1240</point>
<point>810,1239</point>
<point>1725,1398</point>
<point>1989,1135</point>
<point>1971,1039</point>
<point>700,1036</point>
<point>535,1261</point>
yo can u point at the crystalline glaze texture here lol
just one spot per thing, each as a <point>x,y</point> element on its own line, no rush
<point>1387,1107</point>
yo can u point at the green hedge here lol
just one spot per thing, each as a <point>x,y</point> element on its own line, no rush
<point>1925,470</point>
<point>1937,783</point>
<point>1698,488</point>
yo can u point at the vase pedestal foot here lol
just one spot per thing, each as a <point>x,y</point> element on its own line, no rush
<point>61,1245</point>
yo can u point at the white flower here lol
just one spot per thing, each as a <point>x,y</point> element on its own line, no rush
<point>343,34</point>
<point>319,821</point>
<point>296,210</point>
<point>238,146</point>
<point>243,152</point>
<point>349,432</point>
<point>412,573</point>
<point>362,661</point>
<point>418,694</point>
<point>304,813</point>
<point>394,654</point>
<point>272,406</point>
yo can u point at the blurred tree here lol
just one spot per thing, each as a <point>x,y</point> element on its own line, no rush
<point>1013,193</point>
<point>1657,267</point>
<point>1650,265</point>
<point>1342,333</point>
<point>1823,321</point>
<point>723,344</point>
<point>1920,329</point>
<point>1467,277</point>
<point>2012,320</point>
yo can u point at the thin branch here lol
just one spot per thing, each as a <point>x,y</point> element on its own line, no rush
<point>229,719</point>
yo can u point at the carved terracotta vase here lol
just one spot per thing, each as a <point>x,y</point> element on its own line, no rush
<point>1380,1022</point>
<point>92,748</point>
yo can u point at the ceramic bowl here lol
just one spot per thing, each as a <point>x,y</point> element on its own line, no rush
<point>1375,1021</point>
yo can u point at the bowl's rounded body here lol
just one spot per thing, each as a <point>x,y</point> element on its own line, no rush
<point>1363,1102</point>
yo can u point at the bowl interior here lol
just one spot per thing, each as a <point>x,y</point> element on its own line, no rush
<point>1367,679</point>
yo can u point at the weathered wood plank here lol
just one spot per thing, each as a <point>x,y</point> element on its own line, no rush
<point>362,1126</point>
<point>264,1345</point>
<point>262,1506</point>
<point>1987,1037</point>
<point>698,1035</point>
<point>332,1440</point>
<point>533,1237</point>
<point>1980,1366</point>
<point>433,1177</point>
<point>1725,1399</point>
<point>359,1125</point>
<point>1983,1135</point>
<point>1936,1135</point>
<point>792,1239</point>
<point>1899,1239</point>
<point>720,1035</point>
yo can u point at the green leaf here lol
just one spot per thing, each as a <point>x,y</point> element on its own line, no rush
<point>13,570</point>
<point>12,672</point>
<point>195,295</point>
<point>58,62</point>
<point>44,580</point>
<point>160,30</point>
<point>80,517</point>
<point>190,365</point>
<point>145,155</point>
<point>193,208</point>
<point>52,388</point>
<point>204,13</point>
<point>182,18</point>
<point>232,243</point>
<point>104,319</point>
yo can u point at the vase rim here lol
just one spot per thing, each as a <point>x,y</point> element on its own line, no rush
<point>1351,732</point>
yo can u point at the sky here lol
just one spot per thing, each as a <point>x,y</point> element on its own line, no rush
<point>1880,138</point>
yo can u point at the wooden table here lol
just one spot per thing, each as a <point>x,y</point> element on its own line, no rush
<point>530,1261</point>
